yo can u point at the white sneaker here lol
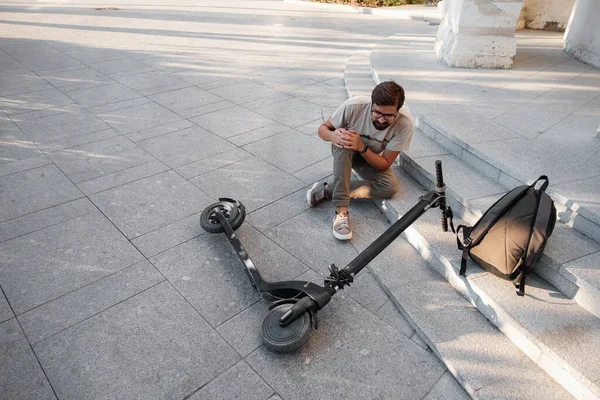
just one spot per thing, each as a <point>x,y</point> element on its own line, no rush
<point>341,227</point>
<point>316,194</point>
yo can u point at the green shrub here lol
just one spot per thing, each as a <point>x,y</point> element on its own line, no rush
<point>373,3</point>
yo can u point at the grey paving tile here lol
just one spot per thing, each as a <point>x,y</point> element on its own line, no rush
<point>212,163</point>
<point>308,237</point>
<point>19,191</point>
<point>470,127</point>
<point>528,126</point>
<point>72,308</point>
<point>122,177</point>
<point>587,268</point>
<point>231,121</point>
<point>159,130</point>
<point>273,98</point>
<point>527,159</point>
<point>93,160</point>
<point>147,204</point>
<point>251,181</point>
<point>44,218</point>
<point>249,321</point>
<point>273,262</point>
<point>138,117</point>
<point>49,263</point>
<point>76,79</point>
<point>14,144</point>
<point>389,313</point>
<point>65,123</point>
<point>584,192</point>
<point>244,92</point>
<point>465,183</point>
<point>34,101</point>
<point>78,140</point>
<point>278,211</point>
<point>120,105</point>
<point>564,237</point>
<point>153,345</point>
<point>20,374</point>
<point>169,236</point>
<point>6,312</point>
<point>291,151</point>
<point>226,289</point>
<point>101,95</point>
<point>150,82</point>
<point>258,134</point>
<point>43,57</point>
<point>350,340</point>
<point>118,66</point>
<point>423,146</point>
<point>10,66</point>
<point>319,171</point>
<point>25,164</point>
<point>206,109</point>
<point>311,128</point>
<point>185,99</point>
<point>447,388</point>
<point>206,79</point>
<point>93,54</point>
<point>293,112</point>
<point>22,82</point>
<point>185,146</point>
<point>569,330</point>
<point>240,381</point>
<point>322,94</point>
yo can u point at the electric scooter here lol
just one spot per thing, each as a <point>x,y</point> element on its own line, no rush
<point>294,304</point>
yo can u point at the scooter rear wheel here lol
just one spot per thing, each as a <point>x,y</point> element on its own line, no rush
<point>234,213</point>
<point>285,339</point>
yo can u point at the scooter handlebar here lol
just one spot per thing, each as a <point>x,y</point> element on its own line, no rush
<point>438,174</point>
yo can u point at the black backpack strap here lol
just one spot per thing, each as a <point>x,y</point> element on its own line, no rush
<point>521,281</point>
<point>544,185</point>
<point>464,245</point>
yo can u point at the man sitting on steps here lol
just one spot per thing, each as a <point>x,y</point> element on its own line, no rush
<point>366,134</point>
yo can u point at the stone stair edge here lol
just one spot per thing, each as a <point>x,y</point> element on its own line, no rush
<point>569,283</point>
<point>559,369</point>
<point>573,286</point>
<point>579,386</point>
<point>504,174</point>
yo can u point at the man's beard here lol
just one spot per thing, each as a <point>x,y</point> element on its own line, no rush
<point>379,126</point>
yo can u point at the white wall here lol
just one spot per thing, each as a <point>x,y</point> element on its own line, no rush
<point>582,38</point>
<point>545,14</point>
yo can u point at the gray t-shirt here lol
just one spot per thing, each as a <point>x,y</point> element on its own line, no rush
<point>355,114</point>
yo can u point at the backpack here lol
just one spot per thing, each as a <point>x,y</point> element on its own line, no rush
<point>511,235</point>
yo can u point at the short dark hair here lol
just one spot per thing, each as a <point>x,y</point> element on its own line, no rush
<point>388,93</point>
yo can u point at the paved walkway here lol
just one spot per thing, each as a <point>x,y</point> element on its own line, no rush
<point>118,126</point>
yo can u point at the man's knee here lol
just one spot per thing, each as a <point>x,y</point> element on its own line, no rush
<point>386,188</point>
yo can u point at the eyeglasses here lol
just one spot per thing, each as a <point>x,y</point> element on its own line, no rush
<point>387,117</point>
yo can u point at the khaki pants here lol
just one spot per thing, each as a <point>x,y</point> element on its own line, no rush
<point>376,184</point>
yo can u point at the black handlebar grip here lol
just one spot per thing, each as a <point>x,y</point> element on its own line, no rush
<point>438,173</point>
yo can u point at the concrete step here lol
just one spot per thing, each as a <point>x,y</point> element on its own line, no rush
<point>561,337</point>
<point>481,358</point>
<point>580,218</point>
<point>455,134</point>
<point>571,261</point>
<point>557,333</point>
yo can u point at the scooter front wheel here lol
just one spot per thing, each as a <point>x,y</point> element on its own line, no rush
<point>285,339</point>
<point>234,213</point>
